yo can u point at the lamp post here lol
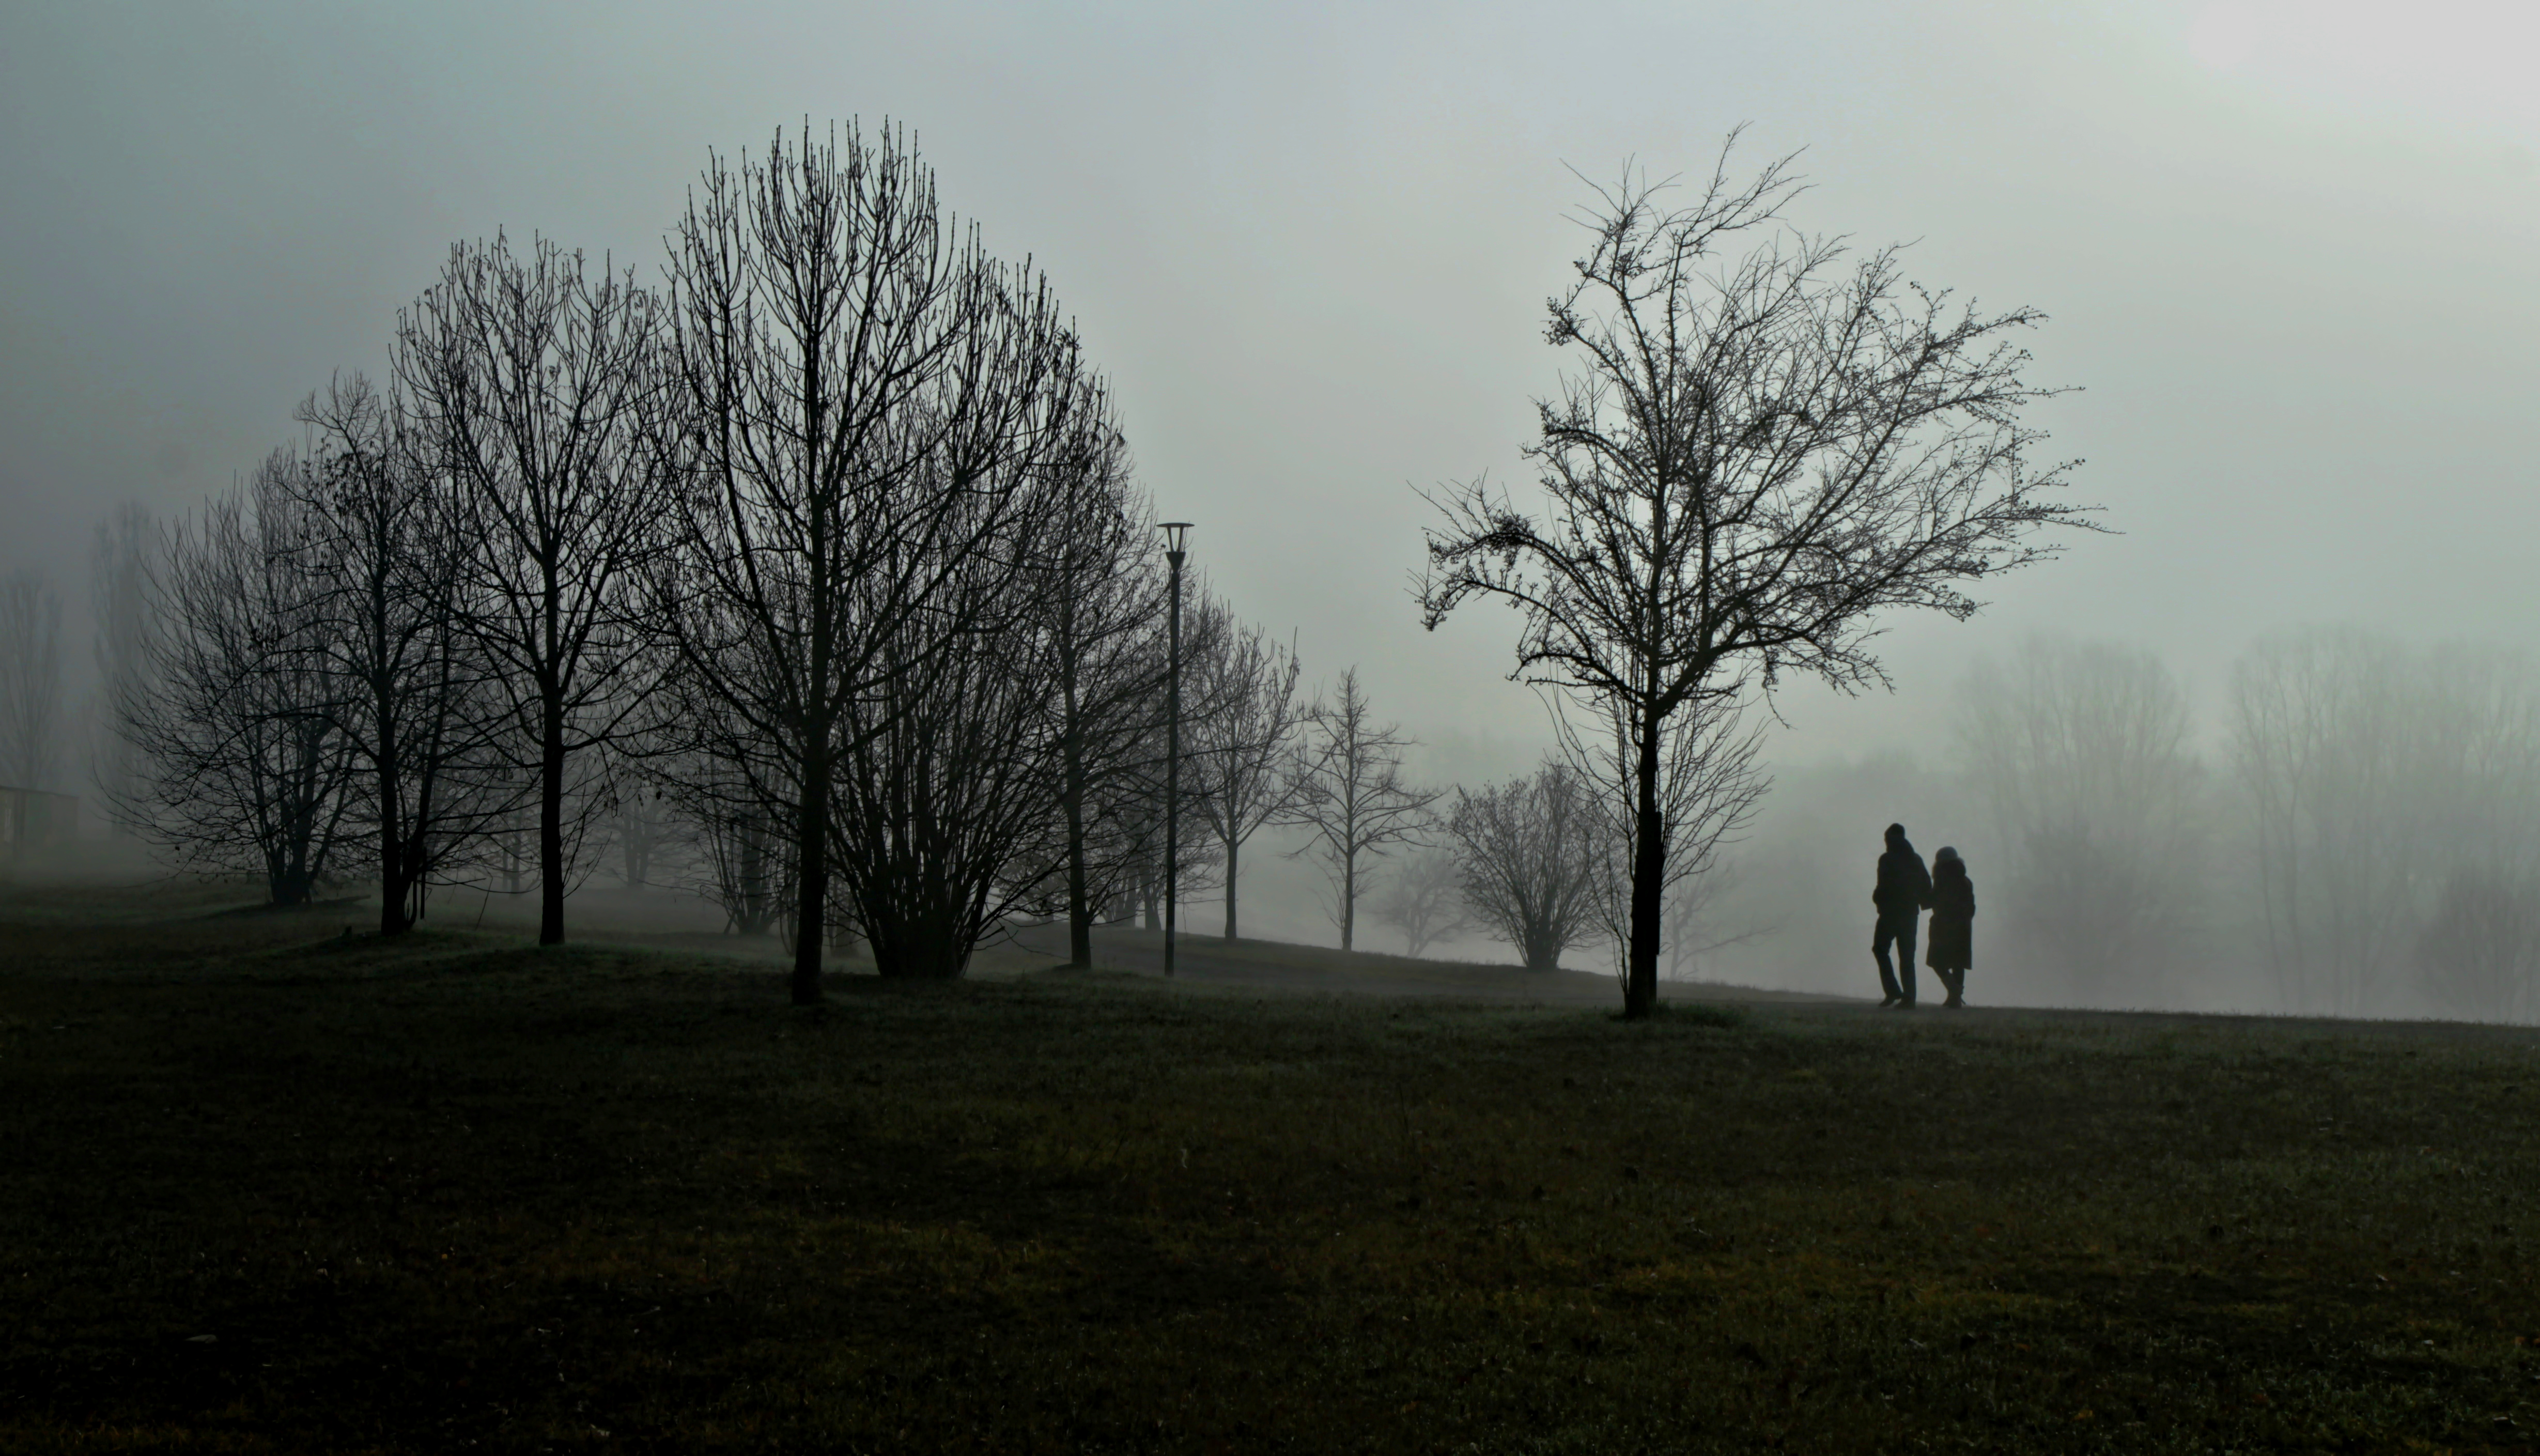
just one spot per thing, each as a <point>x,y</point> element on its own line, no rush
<point>1174,532</point>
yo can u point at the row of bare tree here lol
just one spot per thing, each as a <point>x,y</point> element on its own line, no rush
<point>823,559</point>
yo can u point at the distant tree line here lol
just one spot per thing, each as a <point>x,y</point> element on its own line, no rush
<point>2353,829</point>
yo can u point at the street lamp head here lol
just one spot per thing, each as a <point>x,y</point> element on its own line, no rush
<point>1173,531</point>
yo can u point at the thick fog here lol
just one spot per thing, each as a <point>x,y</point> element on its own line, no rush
<point>2270,742</point>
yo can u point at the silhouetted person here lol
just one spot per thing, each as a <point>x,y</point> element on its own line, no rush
<point>1904,888</point>
<point>1954,918</point>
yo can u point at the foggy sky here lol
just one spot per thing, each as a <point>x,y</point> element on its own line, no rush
<point>2292,264</point>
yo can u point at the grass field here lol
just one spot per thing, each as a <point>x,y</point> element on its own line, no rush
<point>268,1186</point>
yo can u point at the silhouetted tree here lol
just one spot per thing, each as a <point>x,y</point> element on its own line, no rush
<point>1533,851</point>
<point>1759,455</point>
<point>1096,609</point>
<point>414,695</point>
<point>537,389</point>
<point>1239,733</point>
<point>850,369</point>
<point>1347,792</point>
<point>246,767</point>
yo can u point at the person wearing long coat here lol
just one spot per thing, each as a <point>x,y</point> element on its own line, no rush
<point>1954,914</point>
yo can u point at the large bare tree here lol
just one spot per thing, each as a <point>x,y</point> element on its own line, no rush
<point>850,366</point>
<point>1348,793</point>
<point>1758,455</point>
<point>538,385</point>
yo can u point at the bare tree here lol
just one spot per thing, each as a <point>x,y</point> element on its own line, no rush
<point>30,681</point>
<point>1424,899</point>
<point>2080,754</point>
<point>119,599</point>
<point>2320,736</point>
<point>1348,793</point>
<point>944,797</point>
<point>1238,743</point>
<point>538,388</point>
<point>849,367</point>
<point>639,835</point>
<point>1757,457</point>
<point>1098,605</point>
<point>734,855</point>
<point>416,697</point>
<point>1534,850</point>
<point>954,767</point>
<point>246,767</point>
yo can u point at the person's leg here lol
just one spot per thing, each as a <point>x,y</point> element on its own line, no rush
<point>1905,962</point>
<point>1878,943</point>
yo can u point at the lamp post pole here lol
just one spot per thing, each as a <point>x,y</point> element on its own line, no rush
<point>1174,532</point>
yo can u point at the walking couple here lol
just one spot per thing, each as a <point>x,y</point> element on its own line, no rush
<point>1905,890</point>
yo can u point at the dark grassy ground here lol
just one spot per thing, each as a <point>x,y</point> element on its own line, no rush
<point>267,1188</point>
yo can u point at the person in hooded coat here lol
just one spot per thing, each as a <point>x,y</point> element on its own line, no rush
<point>1953,916</point>
<point>1904,888</point>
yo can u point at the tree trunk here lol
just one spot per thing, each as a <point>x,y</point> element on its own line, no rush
<point>1231,847</point>
<point>1542,950</point>
<point>551,818</point>
<point>1649,879</point>
<point>392,869</point>
<point>1349,899</point>
<point>811,854</point>
<point>1079,910</point>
